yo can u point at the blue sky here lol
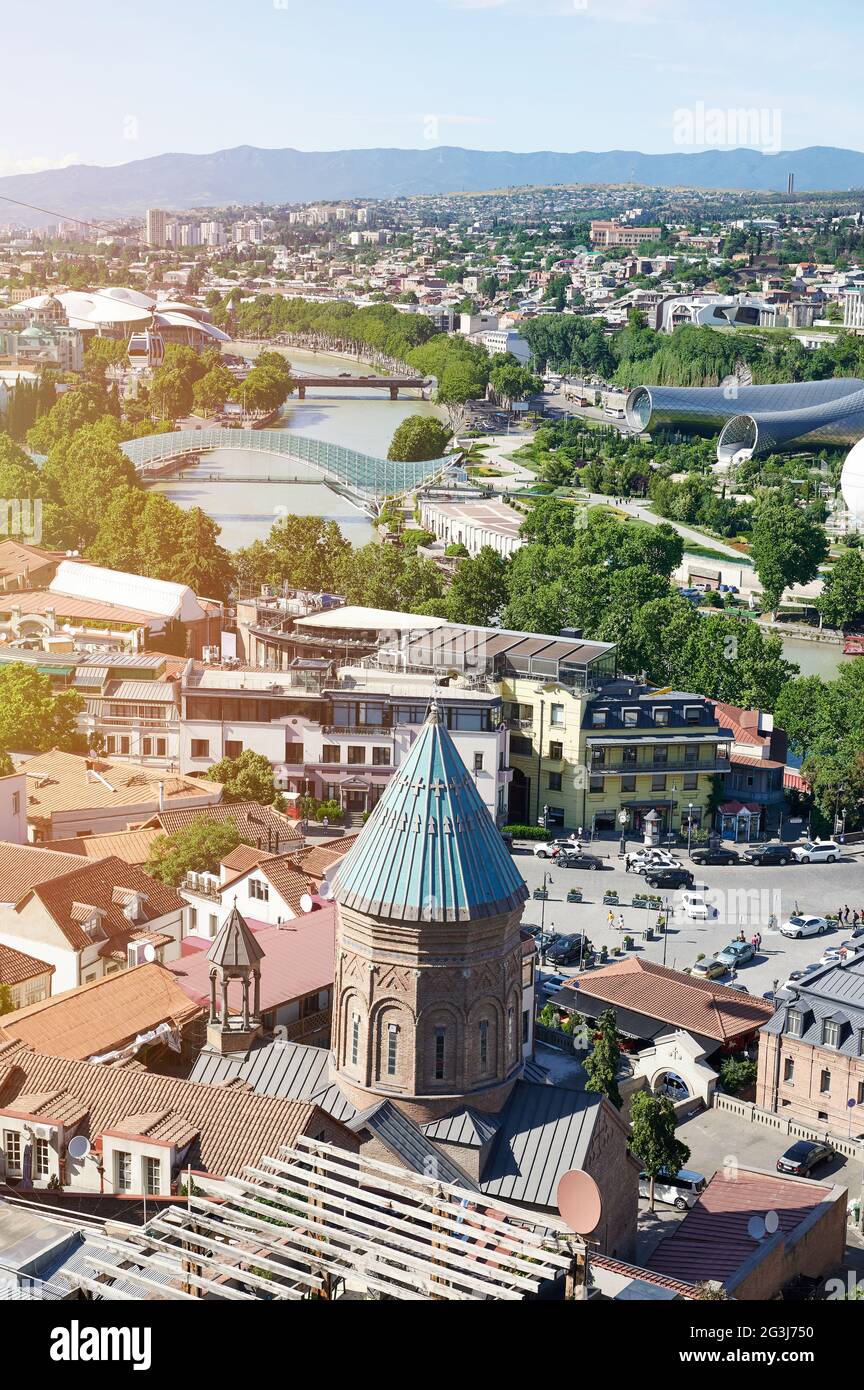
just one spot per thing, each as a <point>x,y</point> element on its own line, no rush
<point>111,80</point>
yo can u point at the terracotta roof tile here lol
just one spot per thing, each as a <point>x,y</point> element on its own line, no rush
<point>132,846</point>
<point>22,867</point>
<point>93,885</point>
<point>260,825</point>
<point>700,1006</point>
<point>16,967</point>
<point>102,1015</point>
<point>58,781</point>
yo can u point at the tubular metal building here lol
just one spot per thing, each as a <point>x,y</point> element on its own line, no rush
<point>755,419</point>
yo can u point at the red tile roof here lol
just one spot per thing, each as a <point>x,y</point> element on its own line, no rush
<point>712,1242</point>
<point>699,1006</point>
<point>94,885</point>
<point>16,967</point>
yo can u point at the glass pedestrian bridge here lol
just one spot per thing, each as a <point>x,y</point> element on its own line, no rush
<point>363,475</point>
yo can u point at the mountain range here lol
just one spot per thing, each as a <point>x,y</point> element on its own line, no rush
<point>249,175</point>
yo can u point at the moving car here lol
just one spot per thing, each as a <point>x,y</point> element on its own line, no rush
<point>652,859</point>
<point>737,952</point>
<point>708,969</point>
<point>575,859</point>
<point>695,905</point>
<point>567,950</point>
<point>550,849</point>
<point>667,877</point>
<point>714,856</point>
<point>817,852</point>
<point>803,926</point>
<point>804,1156</point>
<point>768,854</point>
<point>681,1191</point>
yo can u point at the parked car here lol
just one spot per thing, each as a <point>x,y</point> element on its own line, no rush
<point>817,852</point>
<point>852,945</point>
<point>737,953</point>
<point>708,969</point>
<point>797,978</point>
<point>551,983</point>
<point>550,849</point>
<point>714,856</point>
<point>681,1191</point>
<point>803,1157</point>
<point>695,905</point>
<point>566,950</point>
<point>804,926</point>
<point>644,860</point>
<point>832,954</point>
<point>667,877</point>
<point>742,989</point>
<point>573,859</point>
<point>768,854</point>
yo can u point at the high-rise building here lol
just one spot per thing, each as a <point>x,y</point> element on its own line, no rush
<point>156,227</point>
<point>790,183</point>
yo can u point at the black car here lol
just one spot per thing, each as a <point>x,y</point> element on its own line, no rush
<point>768,854</point>
<point>578,859</point>
<point>803,1157</point>
<point>567,950</point>
<point>669,878</point>
<point>715,856</point>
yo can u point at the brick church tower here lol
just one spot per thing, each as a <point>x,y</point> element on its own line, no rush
<point>428,985</point>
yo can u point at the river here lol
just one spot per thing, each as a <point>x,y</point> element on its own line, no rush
<point>362,420</point>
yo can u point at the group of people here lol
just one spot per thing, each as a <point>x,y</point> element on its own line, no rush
<point>615,919</point>
<point>755,940</point>
<point>847,917</point>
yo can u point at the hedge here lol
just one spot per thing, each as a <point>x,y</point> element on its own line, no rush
<point>526,832</point>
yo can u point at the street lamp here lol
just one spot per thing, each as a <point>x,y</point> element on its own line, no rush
<point>623,821</point>
<point>672,812</point>
<point>689,823</point>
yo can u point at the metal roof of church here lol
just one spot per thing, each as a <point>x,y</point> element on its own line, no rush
<point>430,851</point>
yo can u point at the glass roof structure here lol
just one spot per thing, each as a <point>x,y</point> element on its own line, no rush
<point>369,477</point>
<point>756,419</point>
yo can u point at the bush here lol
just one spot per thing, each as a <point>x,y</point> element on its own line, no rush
<point>455,548</point>
<point>736,1074</point>
<point>527,832</point>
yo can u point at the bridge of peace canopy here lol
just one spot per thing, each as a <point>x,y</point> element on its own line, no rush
<point>362,477</point>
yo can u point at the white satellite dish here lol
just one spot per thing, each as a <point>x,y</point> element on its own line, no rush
<point>325,890</point>
<point>149,952</point>
<point>78,1146</point>
<point>305,902</point>
<point>772,1221</point>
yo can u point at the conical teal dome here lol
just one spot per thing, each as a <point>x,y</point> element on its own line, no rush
<point>430,851</point>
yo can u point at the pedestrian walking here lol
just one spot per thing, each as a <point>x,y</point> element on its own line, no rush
<point>610,918</point>
<point>758,941</point>
<point>796,911</point>
<point>627,858</point>
<point>620,922</point>
<point>844,915</point>
<point>855,919</point>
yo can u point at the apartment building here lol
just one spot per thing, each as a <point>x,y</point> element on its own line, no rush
<point>613,234</point>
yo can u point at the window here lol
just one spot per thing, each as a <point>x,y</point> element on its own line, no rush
<point>661,716</point>
<point>331,753</point>
<point>40,1158</point>
<point>831,1033</point>
<point>691,781</point>
<point>511,1030</point>
<point>259,889</point>
<point>152,1177</point>
<point>478,762</point>
<point>555,781</point>
<point>392,1048</point>
<point>595,784</point>
<point>556,750</point>
<point>598,719</point>
<point>526,1025</point>
<point>200,748</point>
<point>12,1147</point>
<point>440,1039</point>
<point>794,1023</point>
<point>520,747</point>
<point>356,755</point>
<point>691,753</point>
<point>293,753</point>
<point>484,1045</point>
<point>16,803</point>
<point>658,784</point>
<point>628,756</point>
<point>630,718</point>
<point>860,1096</point>
<point>692,714</point>
<point>824,1081</point>
<point>233,747</point>
<point>213,924</point>
<point>598,757</point>
<point>788,1069</point>
<point>123,1171</point>
<point>355,1039</point>
<point>628,784</point>
<point>381,757</point>
<point>661,756</point>
<point>556,716</point>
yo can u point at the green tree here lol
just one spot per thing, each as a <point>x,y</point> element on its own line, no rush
<point>79,476</point>
<point>418,437</point>
<point>842,598</point>
<point>247,778</point>
<point>652,1138</point>
<point>604,1059</point>
<point>83,405</point>
<point>787,546</point>
<point>7,1003</point>
<point>197,848</point>
<point>212,390</point>
<point>305,552</point>
<point>32,717</point>
<point>479,589</point>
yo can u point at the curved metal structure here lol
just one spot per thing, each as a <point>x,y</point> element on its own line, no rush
<point>369,477</point>
<point>756,419</point>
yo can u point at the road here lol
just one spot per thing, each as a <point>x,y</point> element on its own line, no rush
<point>744,898</point>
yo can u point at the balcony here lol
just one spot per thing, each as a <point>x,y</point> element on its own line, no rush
<point>213,891</point>
<point>640,769</point>
<point>359,730</point>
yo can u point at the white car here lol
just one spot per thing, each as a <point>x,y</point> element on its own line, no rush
<point>804,926</point>
<point>817,852</point>
<point>548,849</point>
<point>653,859</point>
<point>695,905</point>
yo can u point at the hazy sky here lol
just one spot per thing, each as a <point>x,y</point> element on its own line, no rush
<point>105,81</point>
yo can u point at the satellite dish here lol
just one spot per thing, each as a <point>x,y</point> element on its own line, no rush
<point>325,890</point>
<point>149,952</point>
<point>78,1146</point>
<point>756,1228</point>
<point>772,1221</point>
<point>305,903</point>
<point>579,1202</point>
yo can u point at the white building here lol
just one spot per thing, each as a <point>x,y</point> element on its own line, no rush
<point>506,340</point>
<point>155,227</point>
<point>474,524</point>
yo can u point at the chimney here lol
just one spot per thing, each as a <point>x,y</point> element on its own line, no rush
<point>161,796</point>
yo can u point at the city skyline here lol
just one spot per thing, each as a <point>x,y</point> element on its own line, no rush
<point>517,75</point>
